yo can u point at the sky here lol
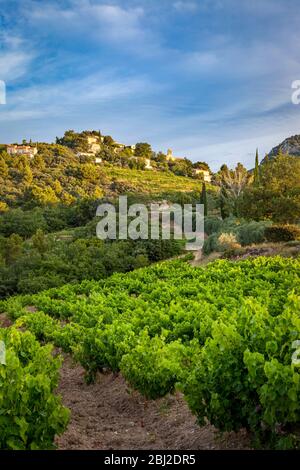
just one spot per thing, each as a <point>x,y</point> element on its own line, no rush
<point>210,79</point>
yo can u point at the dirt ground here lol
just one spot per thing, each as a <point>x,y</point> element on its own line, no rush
<point>5,322</point>
<point>108,415</point>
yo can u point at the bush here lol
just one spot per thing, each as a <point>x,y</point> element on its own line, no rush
<point>153,367</point>
<point>228,240</point>
<point>212,225</point>
<point>210,244</point>
<point>244,378</point>
<point>31,414</point>
<point>220,242</point>
<point>245,233</point>
<point>282,233</point>
<point>252,232</point>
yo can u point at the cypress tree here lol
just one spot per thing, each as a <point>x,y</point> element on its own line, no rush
<point>204,199</point>
<point>223,205</point>
<point>256,169</point>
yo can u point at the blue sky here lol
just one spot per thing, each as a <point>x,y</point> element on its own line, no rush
<point>210,79</point>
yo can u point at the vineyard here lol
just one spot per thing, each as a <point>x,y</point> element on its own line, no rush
<point>154,182</point>
<point>223,335</point>
<point>31,414</point>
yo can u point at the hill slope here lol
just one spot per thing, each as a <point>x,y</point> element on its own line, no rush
<point>290,146</point>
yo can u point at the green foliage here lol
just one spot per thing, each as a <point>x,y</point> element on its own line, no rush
<point>55,175</point>
<point>77,141</point>
<point>182,167</point>
<point>23,223</point>
<point>256,180</point>
<point>211,244</point>
<point>164,185</point>
<point>223,334</point>
<point>31,414</point>
<point>247,233</point>
<point>252,232</point>
<point>282,233</point>
<point>142,149</point>
<point>233,183</point>
<point>212,225</point>
<point>47,261</point>
<point>278,196</point>
<point>153,367</point>
<point>203,199</point>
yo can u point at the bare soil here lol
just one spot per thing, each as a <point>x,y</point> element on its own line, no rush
<point>108,415</point>
<point>5,322</point>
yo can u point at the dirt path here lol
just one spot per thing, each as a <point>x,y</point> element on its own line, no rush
<point>107,415</point>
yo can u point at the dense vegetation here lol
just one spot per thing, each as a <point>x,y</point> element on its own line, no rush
<point>276,195</point>
<point>224,334</point>
<point>31,414</point>
<point>59,175</point>
<point>72,256</point>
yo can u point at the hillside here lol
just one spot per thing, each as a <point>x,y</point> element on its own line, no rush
<point>290,146</point>
<point>149,182</point>
<point>89,166</point>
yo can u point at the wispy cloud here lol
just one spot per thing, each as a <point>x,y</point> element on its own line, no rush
<point>185,6</point>
<point>15,58</point>
<point>121,26</point>
<point>210,78</point>
<point>75,95</point>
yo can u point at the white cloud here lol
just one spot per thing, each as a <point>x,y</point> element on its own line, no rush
<point>123,27</point>
<point>74,96</point>
<point>119,23</point>
<point>185,6</point>
<point>15,59</point>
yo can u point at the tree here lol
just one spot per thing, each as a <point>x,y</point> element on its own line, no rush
<point>3,168</point>
<point>203,199</point>
<point>3,207</point>
<point>43,196</point>
<point>232,184</point>
<point>74,140</point>
<point>182,167</point>
<point>108,140</point>
<point>13,248</point>
<point>201,166</point>
<point>40,242</point>
<point>256,170</point>
<point>223,203</point>
<point>142,149</point>
<point>278,196</point>
<point>39,163</point>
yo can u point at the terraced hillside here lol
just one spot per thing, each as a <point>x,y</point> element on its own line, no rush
<point>151,182</point>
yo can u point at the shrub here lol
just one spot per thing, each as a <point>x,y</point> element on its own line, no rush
<point>212,225</point>
<point>282,233</point>
<point>246,233</point>
<point>31,414</point>
<point>153,367</point>
<point>228,240</point>
<point>210,244</point>
<point>252,232</point>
